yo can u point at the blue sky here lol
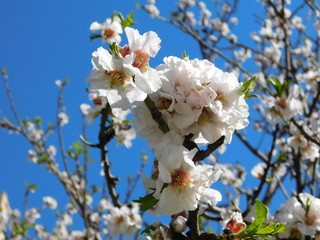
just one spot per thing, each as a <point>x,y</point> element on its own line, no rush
<point>42,41</point>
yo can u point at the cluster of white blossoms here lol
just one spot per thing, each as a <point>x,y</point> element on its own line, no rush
<point>179,98</point>
<point>179,106</point>
<point>301,214</point>
<point>125,76</point>
<point>124,220</point>
<point>198,98</point>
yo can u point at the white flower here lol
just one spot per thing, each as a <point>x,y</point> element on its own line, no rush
<point>110,30</point>
<point>234,223</point>
<point>58,83</point>
<point>302,217</point>
<point>52,151</point>
<point>126,78</point>
<point>71,208</point>
<point>31,215</point>
<point>181,185</point>
<point>123,220</point>
<point>152,10</point>
<point>179,224</point>
<point>283,108</point>
<point>77,235</point>
<point>92,112</point>
<point>234,20</point>
<point>66,219</point>
<point>220,26</point>
<point>63,118</point>
<point>104,205</point>
<point>32,156</point>
<point>50,202</point>
<point>187,3</point>
<point>34,133</point>
<point>94,217</point>
<point>232,175</point>
<point>198,98</point>
<point>113,78</point>
<point>160,232</point>
<point>147,127</point>
<point>4,211</point>
<point>309,150</point>
<point>259,170</point>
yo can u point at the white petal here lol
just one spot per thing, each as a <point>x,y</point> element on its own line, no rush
<point>211,196</point>
<point>95,26</point>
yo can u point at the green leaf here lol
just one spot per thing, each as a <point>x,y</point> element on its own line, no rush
<point>94,36</point>
<point>259,229</point>
<point>247,88</point>
<point>94,189</point>
<point>31,187</point>
<point>146,202</point>
<point>50,126</point>
<point>114,49</point>
<point>126,121</point>
<point>66,81</point>
<point>128,21</point>
<point>282,157</point>
<point>147,230</point>
<point>251,96</point>
<point>248,85</point>
<point>279,87</point>
<point>270,228</point>
<point>22,228</point>
<point>184,55</point>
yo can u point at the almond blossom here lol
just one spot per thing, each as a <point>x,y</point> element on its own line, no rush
<point>111,30</point>
<point>180,184</point>
<point>234,223</point>
<point>126,77</point>
<point>50,202</point>
<point>123,220</point>
<point>308,149</point>
<point>198,98</point>
<point>279,108</point>
<point>301,216</point>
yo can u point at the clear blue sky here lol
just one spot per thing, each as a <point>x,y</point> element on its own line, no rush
<point>42,41</point>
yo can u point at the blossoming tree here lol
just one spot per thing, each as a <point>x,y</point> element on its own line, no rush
<point>188,109</point>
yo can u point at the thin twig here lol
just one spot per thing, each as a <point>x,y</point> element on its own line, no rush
<point>202,154</point>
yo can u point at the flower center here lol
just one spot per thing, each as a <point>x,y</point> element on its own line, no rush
<point>295,234</point>
<point>221,97</point>
<point>97,101</point>
<point>124,51</point>
<point>180,178</point>
<point>116,78</point>
<point>141,60</point>
<point>281,103</point>
<point>205,116</point>
<point>310,219</point>
<point>108,33</point>
<point>119,219</point>
<point>164,103</point>
<point>235,227</point>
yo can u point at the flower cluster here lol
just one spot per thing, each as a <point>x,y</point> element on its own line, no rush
<point>181,100</point>
<point>124,220</point>
<point>301,216</point>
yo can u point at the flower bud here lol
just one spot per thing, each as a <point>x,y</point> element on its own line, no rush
<point>179,224</point>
